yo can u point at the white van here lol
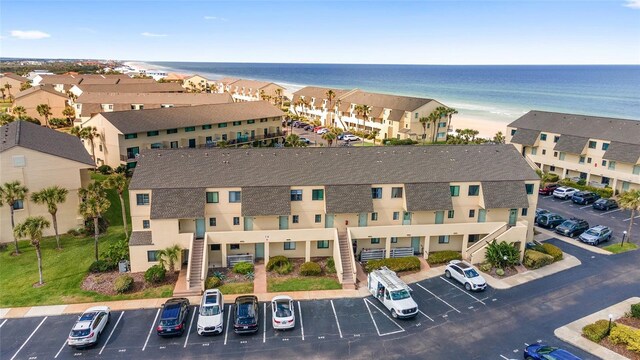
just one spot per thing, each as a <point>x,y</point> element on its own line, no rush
<point>211,317</point>
<point>392,292</point>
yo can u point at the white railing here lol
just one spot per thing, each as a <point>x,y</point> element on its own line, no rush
<point>480,243</point>
<point>193,236</point>
<point>205,265</point>
<point>401,252</point>
<point>337,258</point>
<point>372,254</point>
<point>234,259</point>
<point>352,256</point>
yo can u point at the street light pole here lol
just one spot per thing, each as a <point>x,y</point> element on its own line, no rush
<point>609,328</point>
<point>624,235</point>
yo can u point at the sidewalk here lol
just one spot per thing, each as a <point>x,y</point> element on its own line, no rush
<point>567,262</point>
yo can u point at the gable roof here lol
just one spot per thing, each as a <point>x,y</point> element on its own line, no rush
<point>253,84</point>
<point>45,140</point>
<point>177,203</point>
<point>16,77</point>
<point>396,102</point>
<point>504,195</point>
<point>618,151</point>
<point>46,88</point>
<point>60,79</point>
<point>132,88</point>
<point>266,200</point>
<point>153,98</point>
<point>349,199</point>
<point>316,92</point>
<point>428,196</point>
<point>571,144</point>
<point>525,137</point>
<point>227,80</point>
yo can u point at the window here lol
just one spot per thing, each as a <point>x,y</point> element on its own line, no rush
<point>190,128</point>
<point>534,151</point>
<point>100,147</point>
<point>529,188</point>
<point>474,237</point>
<point>592,144</point>
<point>552,168</point>
<point>543,137</point>
<point>443,239</point>
<point>222,125</point>
<point>152,133</point>
<point>173,145</point>
<point>130,136</point>
<point>636,169</point>
<point>234,246</point>
<point>588,160</point>
<point>212,197</point>
<point>318,218</point>
<point>605,146</point>
<point>474,190</point>
<point>251,121</point>
<point>375,240</point>
<point>296,195</point>
<point>156,146</point>
<point>394,240</point>
<point>19,161</point>
<point>317,194</point>
<point>525,211</point>
<point>206,127</point>
<point>441,134</point>
<point>235,196</point>
<point>146,224</point>
<point>450,214</point>
<point>581,160</point>
<point>455,190</point>
<point>236,220</point>
<point>142,199</point>
<point>556,138</point>
<point>237,123</point>
<point>172,131</point>
<point>323,244</point>
<point>604,162</point>
<point>561,156</point>
<point>152,255</point>
<point>555,154</point>
<point>513,132</point>
<point>374,216</point>
<point>612,165</point>
<point>215,247</point>
<point>376,193</point>
<point>416,115</point>
<point>396,215</point>
<point>472,213</point>
<point>396,193</point>
<point>442,124</point>
<point>295,219</point>
<point>544,152</point>
<point>290,246</point>
<point>18,205</point>
<point>212,222</point>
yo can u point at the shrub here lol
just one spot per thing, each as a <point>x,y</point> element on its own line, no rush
<point>116,251</point>
<point>105,169</point>
<point>395,264</point>
<point>3,247</point>
<point>496,252</point>
<point>310,269</point>
<point>394,142</point>
<point>331,266</point>
<point>155,274</point>
<point>280,264</point>
<point>604,193</point>
<point>123,284</point>
<point>486,267</point>
<point>442,257</point>
<point>500,272</point>
<point>284,269</point>
<point>243,268</point>
<point>621,334</point>
<point>75,232</point>
<point>552,250</point>
<point>59,122</point>
<point>635,310</point>
<point>103,224</point>
<point>597,331</point>
<point>535,259</point>
<point>212,282</point>
<point>250,276</point>
<point>100,266</point>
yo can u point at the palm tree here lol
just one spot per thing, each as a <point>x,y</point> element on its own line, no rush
<point>424,120</point>
<point>69,112</point>
<point>498,138</point>
<point>19,112</point>
<point>2,90</point>
<point>449,113</point>
<point>630,200</point>
<point>11,193</point>
<point>94,204</point>
<point>87,133</point>
<point>433,119</point>
<point>293,140</point>
<point>25,86</point>
<point>330,94</point>
<point>32,227</point>
<point>52,196</point>
<point>45,111</point>
<point>329,137</point>
<point>363,110</point>
<point>8,88</point>
<point>119,182</point>
<point>279,96</point>
<point>169,256</point>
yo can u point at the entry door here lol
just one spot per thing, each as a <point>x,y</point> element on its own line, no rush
<point>192,143</point>
<point>513,215</point>
<point>328,220</point>
<point>406,218</point>
<point>248,223</point>
<point>362,219</point>
<point>415,244</point>
<point>439,217</point>
<point>482,215</point>
<point>199,228</point>
<point>260,251</point>
<point>284,222</point>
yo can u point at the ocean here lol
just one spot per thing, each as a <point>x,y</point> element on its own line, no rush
<point>498,93</point>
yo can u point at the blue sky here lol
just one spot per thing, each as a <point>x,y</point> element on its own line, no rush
<point>399,32</point>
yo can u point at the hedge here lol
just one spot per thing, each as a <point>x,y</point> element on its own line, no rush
<point>243,268</point>
<point>552,250</point>
<point>604,193</point>
<point>123,284</point>
<point>625,335</point>
<point>155,274</point>
<point>597,331</point>
<point>441,257</point>
<point>535,259</point>
<point>100,266</point>
<point>212,282</point>
<point>635,310</point>
<point>310,269</point>
<point>395,264</point>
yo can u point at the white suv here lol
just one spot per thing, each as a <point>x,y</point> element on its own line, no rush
<point>211,314</point>
<point>86,331</point>
<point>564,192</point>
<point>465,274</point>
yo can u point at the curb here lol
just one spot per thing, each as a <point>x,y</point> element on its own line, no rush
<point>566,263</point>
<point>574,242</point>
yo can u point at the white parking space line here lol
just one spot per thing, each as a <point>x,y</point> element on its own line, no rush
<point>29,338</point>
<point>635,217</point>
<point>566,201</point>
<point>504,357</point>
<point>437,297</point>
<point>366,303</point>
<point>153,324</point>
<point>427,316</point>
<point>226,330</point>
<point>336,316</point>
<point>62,347</point>
<point>5,320</point>
<point>609,212</point>
<point>111,333</point>
<point>193,315</point>
<point>264,324</point>
<point>584,207</point>
<point>465,292</point>
<point>301,323</point>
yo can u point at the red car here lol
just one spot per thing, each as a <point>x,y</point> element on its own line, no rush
<point>315,129</point>
<point>547,189</point>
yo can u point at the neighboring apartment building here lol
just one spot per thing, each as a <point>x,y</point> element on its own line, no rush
<point>44,94</point>
<point>602,151</point>
<point>15,81</point>
<point>152,87</point>
<point>197,82</point>
<point>392,116</point>
<point>63,83</point>
<point>123,134</point>
<point>39,157</point>
<point>253,90</point>
<point>228,205</point>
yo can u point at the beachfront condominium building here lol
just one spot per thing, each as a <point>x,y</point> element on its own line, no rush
<point>63,83</point>
<point>599,150</point>
<point>39,157</point>
<point>250,90</point>
<point>391,116</point>
<point>127,88</point>
<point>228,205</point>
<point>38,95</point>
<point>123,134</point>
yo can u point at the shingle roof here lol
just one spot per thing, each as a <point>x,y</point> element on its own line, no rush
<point>154,98</point>
<point>134,121</point>
<point>266,200</point>
<point>139,238</point>
<point>504,195</point>
<point>61,79</point>
<point>185,203</point>
<point>428,196</point>
<point>349,199</point>
<point>395,115</point>
<point>618,151</point>
<point>319,93</point>
<point>45,140</point>
<point>45,88</point>
<point>253,84</point>
<point>397,102</point>
<point>525,137</point>
<point>328,166</point>
<point>16,77</point>
<point>227,80</point>
<point>132,88</point>
<point>571,144</point>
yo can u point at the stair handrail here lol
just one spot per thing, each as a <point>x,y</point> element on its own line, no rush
<point>492,235</point>
<point>337,255</point>
<point>352,256</point>
<point>189,262</point>
<point>205,265</point>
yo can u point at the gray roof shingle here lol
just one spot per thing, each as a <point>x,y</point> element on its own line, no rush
<point>622,152</point>
<point>428,196</point>
<point>525,137</point>
<point>347,199</point>
<point>504,195</point>
<point>139,238</point>
<point>185,203</point>
<point>266,200</point>
<point>571,144</point>
<point>132,87</point>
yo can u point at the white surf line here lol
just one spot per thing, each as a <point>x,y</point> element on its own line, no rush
<point>150,330</point>
<point>193,316</point>
<point>367,302</point>
<point>5,320</point>
<point>335,315</point>
<point>62,347</point>
<point>264,324</point>
<point>609,212</point>
<point>226,330</point>
<point>465,292</point>
<point>111,333</point>
<point>427,316</point>
<point>29,338</point>
<point>301,323</point>
<point>437,297</point>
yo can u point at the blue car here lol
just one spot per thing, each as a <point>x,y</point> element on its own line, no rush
<point>545,352</point>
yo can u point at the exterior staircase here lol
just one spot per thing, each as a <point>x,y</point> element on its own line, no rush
<point>346,257</point>
<point>469,253</point>
<point>194,285</point>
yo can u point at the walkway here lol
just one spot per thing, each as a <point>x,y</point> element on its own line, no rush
<point>260,279</point>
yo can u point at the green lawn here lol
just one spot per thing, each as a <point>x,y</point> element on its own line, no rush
<point>302,284</point>
<point>616,248</point>
<point>237,288</point>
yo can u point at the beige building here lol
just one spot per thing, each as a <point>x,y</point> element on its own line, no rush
<point>65,82</point>
<point>253,90</point>
<point>45,94</point>
<point>39,157</point>
<point>227,205</point>
<point>123,134</point>
<point>198,82</point>
<point>127,88</point>
<point>15,81</point>
<point>601,151</point>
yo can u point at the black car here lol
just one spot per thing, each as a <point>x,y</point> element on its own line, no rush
<point>246,315</point>
<point>572,227</point>
<point>173,317</point>
<point>549,220</point>
<point>584,197</point>
<point>605,204</point>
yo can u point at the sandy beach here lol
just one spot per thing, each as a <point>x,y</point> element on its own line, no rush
<point>487,128</point>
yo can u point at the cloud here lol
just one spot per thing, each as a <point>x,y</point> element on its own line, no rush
<point>29,34</point>
<point>215,18</point>
<point>634,4</point>
<point>148,34</point>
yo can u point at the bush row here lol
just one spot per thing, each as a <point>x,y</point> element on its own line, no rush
<point>441,257</point>
<point>395,264</point>
<point>625,335</point>
<point>552,250</point>
<point>604,193</point>
<point>597,331</point>
<point>535,259</point>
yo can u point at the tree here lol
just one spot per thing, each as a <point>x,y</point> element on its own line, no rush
<point>498,138</point>
<point>293,140</point>
<point>10,194</point>
<point>329,137</point>
<point>330,94</point>
<point>25,86</point>
<point>279,96</point>
<point>94,204</point>
<point>70,113</point>
<point>630,200</point>
<point>32,227</point>
<point>169,256</point>
<point>8,88</point>
<point>449,113</point>
<point>433,119</point>
<point>45,111</point>
<point>52,196</point>
<point>19,112</point>
<point>363,110</point>
<point>87,133</point>
<point>424,120</point>
<point>2,90</point>
<point>119,182</point>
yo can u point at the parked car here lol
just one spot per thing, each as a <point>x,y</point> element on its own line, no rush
<point>544,352</point>
<point>564,192</point>
<point>548,189</point>
<point>308,128</point>
<point>605,204</point>
<point>596,235</point>
<point>584,197</point>
<point>549,220</point>
<point>296,124</point>
<point>317,128</point>
<point>305,140</point>
<point>350,137</point>
<point>572,227</point>
<point>246,314</point>
<point>465,274</point>
<point>87,329</point>
<point>173,317</point>
<point>283,312</point>
<point>540,212</point>
<point>211,316</point>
